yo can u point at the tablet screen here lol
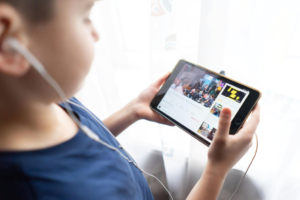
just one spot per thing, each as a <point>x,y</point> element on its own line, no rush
<point>196,98</point>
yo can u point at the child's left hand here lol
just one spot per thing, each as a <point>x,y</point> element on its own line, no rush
<point>142,103</point>
<point>137,109</point>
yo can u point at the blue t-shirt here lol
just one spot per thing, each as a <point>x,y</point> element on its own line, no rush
<point>80,168</point>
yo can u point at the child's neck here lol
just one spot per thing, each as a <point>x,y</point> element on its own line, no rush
<point>33,125</point>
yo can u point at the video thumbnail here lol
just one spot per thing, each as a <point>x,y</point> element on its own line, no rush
<point>197,85</point>
<point>216,109</point>
<point>207,131</point>
<point>234,94</point>
<point>204,129</point>
<point>211,134</point>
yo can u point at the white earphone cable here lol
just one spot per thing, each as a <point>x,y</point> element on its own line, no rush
<point>131,160</point>
<point>247,168</point>
<point>13,43</point>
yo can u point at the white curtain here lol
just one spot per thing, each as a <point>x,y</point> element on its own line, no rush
<point>255,42</point>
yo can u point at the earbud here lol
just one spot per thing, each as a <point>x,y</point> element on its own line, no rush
<point>12,45</point>
<point>6,47</point>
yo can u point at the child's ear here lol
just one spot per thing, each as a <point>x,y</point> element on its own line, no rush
<point>11,63</point>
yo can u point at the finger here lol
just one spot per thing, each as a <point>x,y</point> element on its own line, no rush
<point>251,126</point>
<point>161,80</point>
<point>224,124</point>
<point>167,122</point>
<point>162,120</point>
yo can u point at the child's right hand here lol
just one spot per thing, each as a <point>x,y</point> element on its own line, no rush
<point>226,150</point>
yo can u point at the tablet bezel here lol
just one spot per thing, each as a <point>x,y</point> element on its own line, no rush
<point>243,113</point>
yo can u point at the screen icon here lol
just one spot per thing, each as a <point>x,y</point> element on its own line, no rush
<point>234,94</point>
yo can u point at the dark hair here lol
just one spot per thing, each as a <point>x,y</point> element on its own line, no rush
<point>33,10</point>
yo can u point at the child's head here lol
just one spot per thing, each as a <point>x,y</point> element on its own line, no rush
<point>60,35</point>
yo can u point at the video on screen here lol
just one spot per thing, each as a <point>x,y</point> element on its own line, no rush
<point>197,85</point>
<point>207,131</point>
<point>216,109</point>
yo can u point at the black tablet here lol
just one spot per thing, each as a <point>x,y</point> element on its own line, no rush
<point>193,97</point>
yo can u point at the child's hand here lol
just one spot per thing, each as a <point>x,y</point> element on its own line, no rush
<point>137,109</point>
<point>226,150</point>
<point>142,103</point>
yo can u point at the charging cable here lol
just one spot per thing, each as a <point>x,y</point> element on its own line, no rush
<point>18,47</point>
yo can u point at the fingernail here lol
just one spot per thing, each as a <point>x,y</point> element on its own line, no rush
<point>226,114</point>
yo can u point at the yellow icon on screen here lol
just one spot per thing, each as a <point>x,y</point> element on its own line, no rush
<point>233,94</point>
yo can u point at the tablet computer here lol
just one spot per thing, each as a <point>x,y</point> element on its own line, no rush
<point>192,98</point>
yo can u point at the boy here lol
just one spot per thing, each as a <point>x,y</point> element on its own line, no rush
<point>43,153</point>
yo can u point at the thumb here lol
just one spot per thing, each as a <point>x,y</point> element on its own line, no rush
<point>224,124</point>
<point>160,81</point>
